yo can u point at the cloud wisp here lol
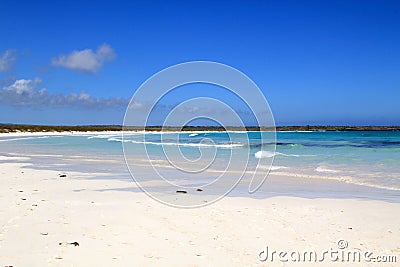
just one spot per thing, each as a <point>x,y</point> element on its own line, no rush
<point>86,60</point>
<point>7,60</point>
<point>25,93</point>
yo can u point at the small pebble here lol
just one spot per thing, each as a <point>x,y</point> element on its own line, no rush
<point>181,191</point>
<point>76,244</point>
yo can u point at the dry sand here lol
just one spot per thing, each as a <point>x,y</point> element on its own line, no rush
<point>41,213</point>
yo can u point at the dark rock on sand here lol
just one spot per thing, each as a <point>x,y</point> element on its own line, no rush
<point>62,175</point>
<point>181,191</point>
<point>199,190</point>
<point>75,244</point>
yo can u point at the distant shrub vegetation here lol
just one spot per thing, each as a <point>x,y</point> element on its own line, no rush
<point>7,128</point>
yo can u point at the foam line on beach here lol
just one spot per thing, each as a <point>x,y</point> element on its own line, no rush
<point>23,138</point>
<point>268,154</point>
<point>103,136</point>
<point>323,169</point>
<point>7,158</point>
<point>177,144</point>
<point>345,179</point>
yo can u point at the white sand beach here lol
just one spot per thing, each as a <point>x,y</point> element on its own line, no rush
<point>42,215</point>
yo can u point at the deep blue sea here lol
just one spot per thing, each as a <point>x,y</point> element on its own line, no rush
<point>365,159</point>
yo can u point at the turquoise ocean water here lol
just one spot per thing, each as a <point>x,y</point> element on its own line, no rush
<point>335,164</point>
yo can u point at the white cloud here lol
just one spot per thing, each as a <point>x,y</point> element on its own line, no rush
<point>25,92</point>
<point>135,105</point>
<point>7,60</point>
<point>86,60</point>
<point>23,86</point>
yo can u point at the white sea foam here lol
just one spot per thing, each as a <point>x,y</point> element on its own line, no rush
<point>344,179</point>
<point>267,154</point>
<point>102,136</point>
<point>193,134</point>
<point>23,138</point>
<point>13,158</point>
<point>271,168</point>
<point>176,144</point>
<point>293,155</point>
<point>264,154</point>
<point>275,168</point>
<point>323,169</point>
<point>117,140</point>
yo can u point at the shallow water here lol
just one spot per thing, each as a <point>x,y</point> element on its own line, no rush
<point>339,164</point>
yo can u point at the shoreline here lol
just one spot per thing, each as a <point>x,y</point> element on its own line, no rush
<point>41,210</point>
<point>278,182</point>
<point>10,128</point>
<point>277,179</point>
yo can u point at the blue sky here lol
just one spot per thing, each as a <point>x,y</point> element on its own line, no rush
<point>317,62</point>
